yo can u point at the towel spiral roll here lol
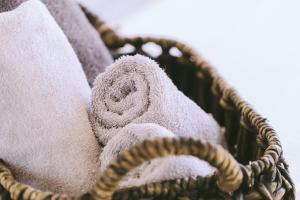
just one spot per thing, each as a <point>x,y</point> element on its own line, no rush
<point>121,98</point>
<point>135,89</point>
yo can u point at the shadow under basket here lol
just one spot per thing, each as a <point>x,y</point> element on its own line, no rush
<point>254,167</point>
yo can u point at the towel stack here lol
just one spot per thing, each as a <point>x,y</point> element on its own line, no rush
<point>135,100</point>
<point>59,135</point>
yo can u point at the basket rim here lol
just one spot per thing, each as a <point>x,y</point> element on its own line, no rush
<point>272,156</point>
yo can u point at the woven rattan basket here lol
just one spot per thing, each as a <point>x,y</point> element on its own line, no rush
<point>254,168</point>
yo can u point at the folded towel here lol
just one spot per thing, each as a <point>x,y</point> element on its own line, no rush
<point>45,134</point>
<point>86,42</point>
<point>156,170</point>
<point>135,90</point>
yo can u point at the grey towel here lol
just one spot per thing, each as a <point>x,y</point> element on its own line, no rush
<point>86,42</point>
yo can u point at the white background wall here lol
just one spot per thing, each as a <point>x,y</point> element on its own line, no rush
<point>254,44</point>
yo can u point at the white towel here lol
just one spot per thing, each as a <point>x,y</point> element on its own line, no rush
<point>156,170</point>
<point>85,40</point>
<point>45,134</point>
<point>135,89</point>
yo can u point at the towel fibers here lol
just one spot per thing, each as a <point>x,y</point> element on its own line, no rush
<point>88,46</point>
<point>135,89</point>
<point>46,137</point>
<point>160,169</point>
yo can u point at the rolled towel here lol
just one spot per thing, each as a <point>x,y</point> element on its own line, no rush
<point>155,170</point>
<point>135,89</point>
<point>89,47</point>
<point>45,134</point>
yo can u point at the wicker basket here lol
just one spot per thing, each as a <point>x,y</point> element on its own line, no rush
<point>254,168</point>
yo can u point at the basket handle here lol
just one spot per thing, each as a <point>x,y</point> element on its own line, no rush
<point>229,177</point>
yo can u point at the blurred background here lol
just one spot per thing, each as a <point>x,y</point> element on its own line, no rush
<point>254,44</point>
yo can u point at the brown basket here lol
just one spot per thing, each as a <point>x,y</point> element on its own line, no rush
<point>255,169</point>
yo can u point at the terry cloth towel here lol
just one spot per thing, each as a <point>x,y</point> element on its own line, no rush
<point>46,137</point>
<point>155,170</point>
<point>89,47</point>
<point>135,89</point>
